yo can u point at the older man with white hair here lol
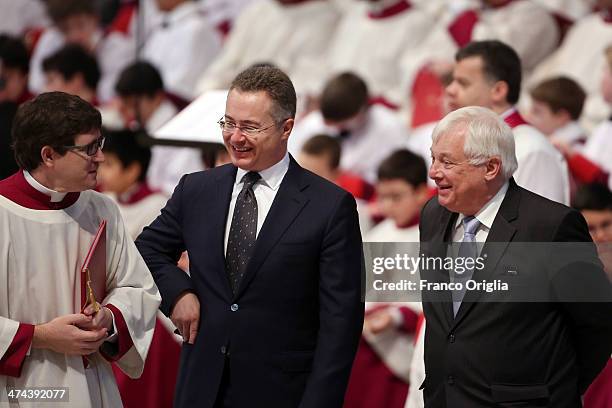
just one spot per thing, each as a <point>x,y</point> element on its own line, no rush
<point>485,348</point>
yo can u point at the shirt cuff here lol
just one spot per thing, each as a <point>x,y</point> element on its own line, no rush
<point>114,336</point>
<point>113,351</point>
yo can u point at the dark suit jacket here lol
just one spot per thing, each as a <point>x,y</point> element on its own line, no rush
<point>291,331</point>
<point>505,353</point>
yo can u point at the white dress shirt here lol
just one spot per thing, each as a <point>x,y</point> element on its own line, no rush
<point>486,215</point>
<point>265,190</point>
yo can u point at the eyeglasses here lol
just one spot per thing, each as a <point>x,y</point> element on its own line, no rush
<point>90,149</point>
<point>227,128</point>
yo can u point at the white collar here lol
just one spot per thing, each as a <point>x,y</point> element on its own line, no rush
<point>486,215</point>
<point>272,176</point>
<point>570,133</point>
<point>507,113</point>
<point>56,196</point>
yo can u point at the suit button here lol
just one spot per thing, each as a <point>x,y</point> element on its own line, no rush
<point>234,307</point>
<point>451,338</point>
<point>223,350</point>
<point>450,380</point>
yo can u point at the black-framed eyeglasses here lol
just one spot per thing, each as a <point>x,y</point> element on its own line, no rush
<point>228,128</point>
<point>89,149</point>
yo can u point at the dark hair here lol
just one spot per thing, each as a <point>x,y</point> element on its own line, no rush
<point>124,145</point>
<point>140,78</point>
<point>275,83</point>
<point>14,54</point>
<point>405,165</point>
<point>595,197</point>
<point>320,145</point>
<point>72,59</point>
<point>500,63</point>
<point>343,97</point>
<point>59,10</point>
<point>560,93</point>
<point>51,119</point>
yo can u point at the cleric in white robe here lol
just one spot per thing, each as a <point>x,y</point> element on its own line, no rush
<point>50,214</point>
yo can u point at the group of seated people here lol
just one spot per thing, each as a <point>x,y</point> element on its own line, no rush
<point>373,78</point>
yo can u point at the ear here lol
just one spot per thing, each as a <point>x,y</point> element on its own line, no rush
<point>287,128</point>
<point>492,168</point>
<point>48,156</point>
<point>499,92</point>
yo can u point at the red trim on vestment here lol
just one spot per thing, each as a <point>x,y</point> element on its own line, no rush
<point>17,189</point>
<point>12,361</point>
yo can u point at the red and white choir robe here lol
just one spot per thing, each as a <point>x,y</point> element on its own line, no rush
<point>541,168</point>
<point>293,37</point>
<point>372,43</point>
<point>598,148</point>
<point>139,206</point>
<point>516,23</point>
<point>571,134</point>
<point>113,50</point>
<point>168,163</point>
<point>365,148</point>
<point>155,387</point>
<point>581,57</point>
<point>599,394</point>
<point>182,44</point>
<point>43,244</point>
<point>381,370</point>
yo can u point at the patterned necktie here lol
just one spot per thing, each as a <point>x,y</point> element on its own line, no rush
<point>467,249</point>
<point>243,231</point>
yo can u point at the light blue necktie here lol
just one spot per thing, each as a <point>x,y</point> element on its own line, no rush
<point>467,249</point>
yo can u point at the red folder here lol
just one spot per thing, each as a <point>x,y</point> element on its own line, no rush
<point>93,271</point>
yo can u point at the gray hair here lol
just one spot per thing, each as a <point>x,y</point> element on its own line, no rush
<point>487,135</point>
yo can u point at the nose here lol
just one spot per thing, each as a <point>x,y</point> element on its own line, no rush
<point>450,89</point>
<point>434,171</point>
<point>99,156</point>
<point>237,136</point>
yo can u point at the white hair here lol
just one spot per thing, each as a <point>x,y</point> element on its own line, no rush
<point>487,135</point>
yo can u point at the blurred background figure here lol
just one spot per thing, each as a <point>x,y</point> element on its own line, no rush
<point>181,45</point>
<point>368,133</point>
<point>321,154</point>
<point>73,70</point>
<point>78,22</point>
<point>381,371</point>
<point>143,104</point>
<point>291,34</point>
<point>122,176</point>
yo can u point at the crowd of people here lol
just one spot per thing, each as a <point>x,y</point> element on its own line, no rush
<point>379,85</point>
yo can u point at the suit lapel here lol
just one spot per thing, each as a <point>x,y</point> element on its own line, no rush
<point>438,247</point>
<point>287,204</point>
<point>220,206</point>
<point>502,232</point>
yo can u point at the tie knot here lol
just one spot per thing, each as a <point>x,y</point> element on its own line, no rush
<point>250,179</point>
<point>470,225</point>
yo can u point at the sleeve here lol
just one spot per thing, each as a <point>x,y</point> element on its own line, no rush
<point>161,245</point>
<point>585,296</point>
<point>341,309</point>
<point>132,297</point>
<point>541,173</point>
<point>15,341</point>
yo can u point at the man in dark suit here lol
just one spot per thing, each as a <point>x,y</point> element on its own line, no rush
<point>271,311</point>
<point>484,349</point>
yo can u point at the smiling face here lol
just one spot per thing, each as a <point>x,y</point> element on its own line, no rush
<point>462,187</point>
<point>263,149</point>
<point>75,170</point>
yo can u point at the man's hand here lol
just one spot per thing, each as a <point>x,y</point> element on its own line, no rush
<point>379,321</point>
<point>63,336</point>
<point>186,316</point>
<point>100,320</point>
